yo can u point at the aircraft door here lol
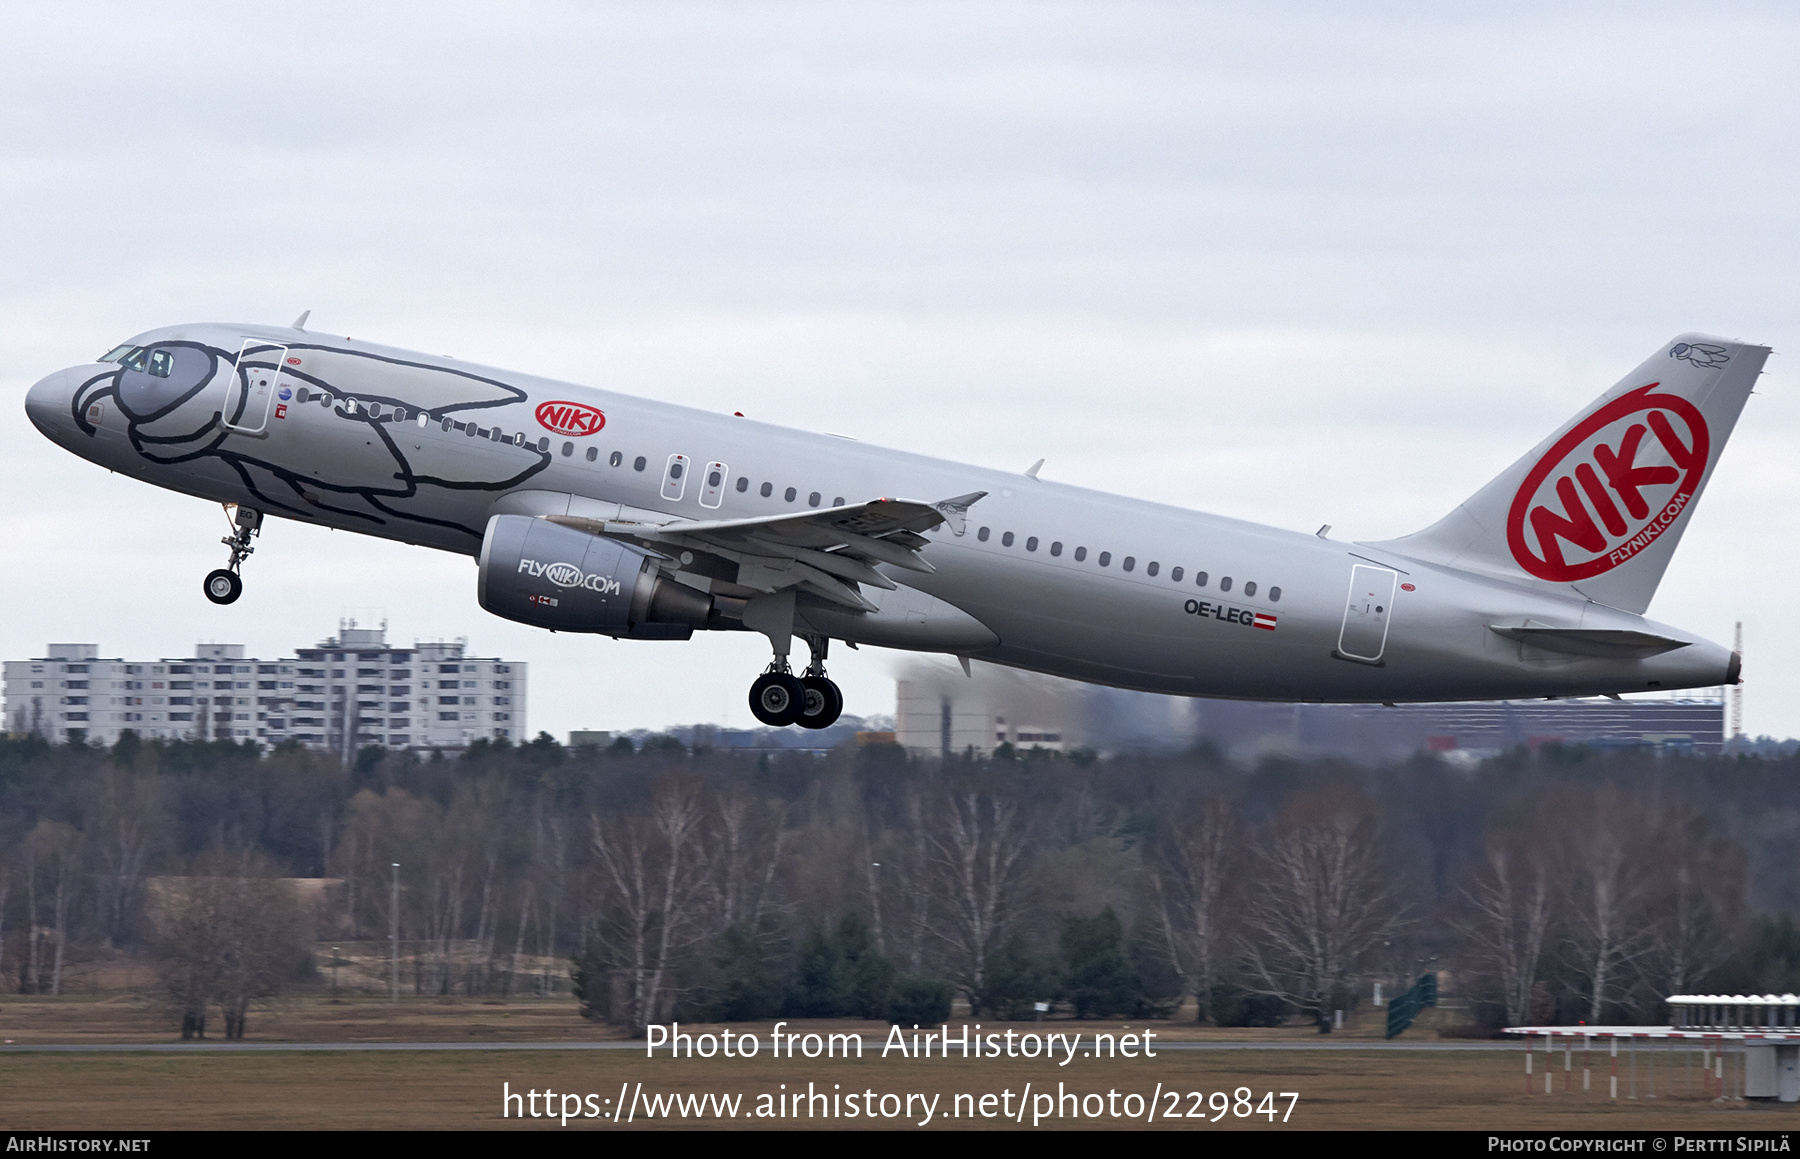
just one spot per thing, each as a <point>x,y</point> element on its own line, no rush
<point>1366,613</point>
<point>251,389</point>
<point>713,484</point>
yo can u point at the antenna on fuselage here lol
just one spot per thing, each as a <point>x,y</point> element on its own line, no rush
<point>300,322</point>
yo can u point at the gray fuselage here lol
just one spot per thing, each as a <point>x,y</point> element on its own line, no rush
<point>1064,580</point>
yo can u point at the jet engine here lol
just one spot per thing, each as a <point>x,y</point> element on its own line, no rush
<point>555,577</point>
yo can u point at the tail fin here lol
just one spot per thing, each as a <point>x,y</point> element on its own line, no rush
<point>1599,506</point>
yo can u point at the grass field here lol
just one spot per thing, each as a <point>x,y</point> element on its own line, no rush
<point>442,1090</point>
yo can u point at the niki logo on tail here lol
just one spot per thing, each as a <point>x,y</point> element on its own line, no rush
<point>1610,487</point>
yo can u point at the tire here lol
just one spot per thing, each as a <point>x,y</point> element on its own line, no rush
<point>223,587</point>
<point>822,704</point>
<point>777,699</point>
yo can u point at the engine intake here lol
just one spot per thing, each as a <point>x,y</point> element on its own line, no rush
<point>550,576</point>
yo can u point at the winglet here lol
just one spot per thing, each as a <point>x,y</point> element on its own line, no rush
<point>1031,471</point>
<point>955,510</point>
<point>300,322</point>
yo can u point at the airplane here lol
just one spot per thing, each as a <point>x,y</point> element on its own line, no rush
<point>593,511</point>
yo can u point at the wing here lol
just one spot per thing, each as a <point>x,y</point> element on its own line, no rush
<point>827,553</point>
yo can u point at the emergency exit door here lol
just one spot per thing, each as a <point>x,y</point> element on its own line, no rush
<point>1366,613</point>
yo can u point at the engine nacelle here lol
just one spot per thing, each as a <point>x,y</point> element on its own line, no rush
<point>549,576</point>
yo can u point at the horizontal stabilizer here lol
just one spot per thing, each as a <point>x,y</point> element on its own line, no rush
<point>1608,643</point>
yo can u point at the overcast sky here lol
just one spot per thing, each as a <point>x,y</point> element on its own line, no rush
<point>1298,263</point>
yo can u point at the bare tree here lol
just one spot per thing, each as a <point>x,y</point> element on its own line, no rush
<point>122,828</point>
<point>1320,901</point>
<point>1697,902</point>
<point>1509,904</point>
<point>1605,892</point>
<point>652,866</point>
<point>230,933</point>
<point>978,845</point>
<point>48,851</point>
<point>1188,873</point>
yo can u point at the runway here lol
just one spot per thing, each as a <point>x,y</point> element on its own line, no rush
<point>872,1045</point>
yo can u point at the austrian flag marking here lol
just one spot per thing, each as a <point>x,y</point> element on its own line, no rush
<point>1610,487</point>
<point>1265,620</point>
<point>570,418</point>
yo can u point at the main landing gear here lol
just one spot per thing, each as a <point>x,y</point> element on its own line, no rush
<point>778,698</point>
<point>224,585</point>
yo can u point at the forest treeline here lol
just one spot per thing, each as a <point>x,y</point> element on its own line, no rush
<point>673,883</point>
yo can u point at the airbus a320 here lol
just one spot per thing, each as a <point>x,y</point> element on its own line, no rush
<point>592,511</point>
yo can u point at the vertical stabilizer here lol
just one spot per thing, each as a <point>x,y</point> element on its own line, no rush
<point>1599,506</point>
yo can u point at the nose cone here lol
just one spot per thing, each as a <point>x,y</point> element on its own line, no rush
<point>47,404</point>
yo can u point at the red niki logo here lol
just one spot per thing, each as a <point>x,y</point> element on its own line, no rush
<point>1608,489</point>
<point>570,418</point>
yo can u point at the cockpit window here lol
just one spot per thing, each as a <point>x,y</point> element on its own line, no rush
<point>116,353</point>
<point>160,362</point>
<point>135,359</point>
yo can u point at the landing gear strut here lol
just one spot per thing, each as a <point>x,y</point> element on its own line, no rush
<point>779,698</point>
<point>224,585</point>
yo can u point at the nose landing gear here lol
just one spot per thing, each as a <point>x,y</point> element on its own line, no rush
<point>779,698</point>
<point>224,585</point>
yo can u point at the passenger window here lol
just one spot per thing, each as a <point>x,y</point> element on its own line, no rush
<point>1225,584</point>
<point>1080,554</point>
<point>544,445</point>
<point>767,490</point>
<point>638,464</point>
<point>448,423</point>
<point>1130,562</point>
<point>1031,544</point>
<point>789,494</point>
<point>674,477</point>
<point>982,535</point>
<point>813,499</point>
<point>374,410</point>
<point>1056,548</point>
<point>302,395</point>
<point>838,502</point>
<point>1250,588</point>
<point>1105,558</point>
<point>594,453</point>
<point>1175,575</point>
<point>1006,540</point>
<point>500,436</point>
<point>612,460</point>
<point>743,484</point>
<point>1199,579</point>
<point>1274,595</point>
<point>568,449</point>
<point>161,361</point>
<point>1151,570</point>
